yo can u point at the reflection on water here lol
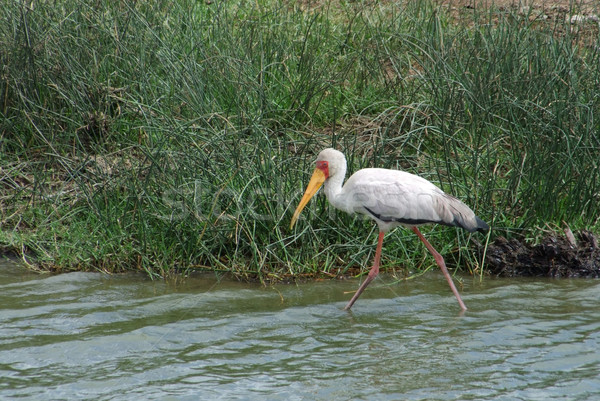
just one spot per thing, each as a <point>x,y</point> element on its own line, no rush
<point>92,336</point>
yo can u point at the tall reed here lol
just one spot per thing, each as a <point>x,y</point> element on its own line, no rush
<point>161,138</point>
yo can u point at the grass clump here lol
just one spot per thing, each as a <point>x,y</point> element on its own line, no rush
<point>164,138</point>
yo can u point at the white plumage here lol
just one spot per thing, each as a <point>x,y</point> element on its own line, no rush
<point>391,198</point>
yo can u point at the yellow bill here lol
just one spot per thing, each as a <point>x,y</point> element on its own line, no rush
<point>317,179</point>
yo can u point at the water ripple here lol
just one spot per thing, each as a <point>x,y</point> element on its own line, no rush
<point>81,336</point>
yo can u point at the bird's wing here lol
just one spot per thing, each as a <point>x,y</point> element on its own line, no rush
<point>397,196</point>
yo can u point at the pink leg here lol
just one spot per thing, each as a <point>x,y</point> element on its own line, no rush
<point>440,261</point>
<point>372,273</point>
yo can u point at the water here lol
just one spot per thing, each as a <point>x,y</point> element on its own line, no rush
<point>93,336</point>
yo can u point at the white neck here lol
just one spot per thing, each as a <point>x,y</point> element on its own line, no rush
<point>333,187</point>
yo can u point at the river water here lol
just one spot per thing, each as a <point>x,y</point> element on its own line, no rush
<point>94,336</point>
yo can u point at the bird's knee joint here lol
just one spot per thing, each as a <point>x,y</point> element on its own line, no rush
<point>373,273</point>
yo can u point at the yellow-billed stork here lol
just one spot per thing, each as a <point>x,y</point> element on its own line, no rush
<point>392,198</point>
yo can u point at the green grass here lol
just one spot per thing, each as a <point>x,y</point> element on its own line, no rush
<point>167,138</point>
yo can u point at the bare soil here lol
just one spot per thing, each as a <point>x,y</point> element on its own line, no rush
<point>551,8</point>
<point>582,16</point>
<point>555,256</point>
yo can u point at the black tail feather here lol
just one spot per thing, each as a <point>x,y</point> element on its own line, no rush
<point>482,226</point>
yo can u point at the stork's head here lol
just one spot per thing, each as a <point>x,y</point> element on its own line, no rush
<point>330,163</point>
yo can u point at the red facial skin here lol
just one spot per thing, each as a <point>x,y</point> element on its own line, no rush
<point>324,167</point>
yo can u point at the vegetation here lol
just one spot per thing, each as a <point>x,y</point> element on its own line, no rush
<point>168,136</point>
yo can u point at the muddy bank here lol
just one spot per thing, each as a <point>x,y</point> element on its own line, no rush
<point>556,255</point>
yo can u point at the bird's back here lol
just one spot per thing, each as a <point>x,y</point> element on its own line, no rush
<point>394,197</point>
